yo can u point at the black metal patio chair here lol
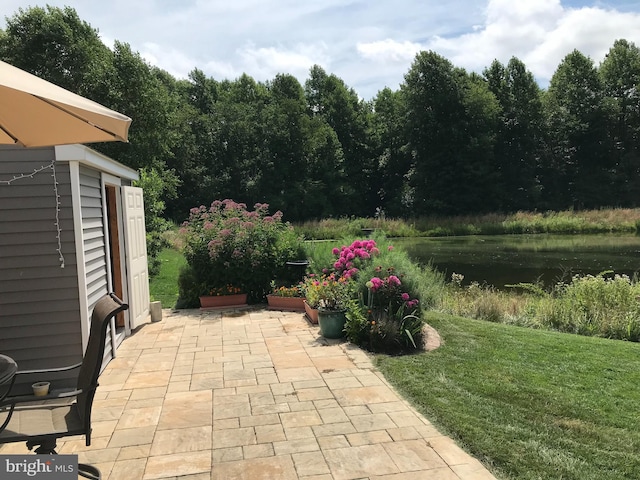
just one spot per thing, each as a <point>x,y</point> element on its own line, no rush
<point>41,420</point>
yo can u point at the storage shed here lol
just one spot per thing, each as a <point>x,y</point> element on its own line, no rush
<point>71,230</point>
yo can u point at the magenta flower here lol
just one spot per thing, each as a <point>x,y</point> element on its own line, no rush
<point>335,251</point>
<point>390,247</point>
<point>405,296</point>
<point>377,283</point>
<point>393,280</point>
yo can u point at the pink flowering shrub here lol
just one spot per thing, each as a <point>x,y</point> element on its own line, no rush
<point>388,292</point>
<point>227,244</point>
<point>350,259</point>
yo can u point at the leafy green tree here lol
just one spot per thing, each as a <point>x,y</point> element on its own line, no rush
<point>579,174</point>
<point>55,44</point>
<point>519,141</point>
<point>194,157</point>
<point>239,138</point>
<point>620,74</point>
<point>451,123</point>
<point>324,172</point>
<point>391,149</point>
<point>329,98</point>
<point>286,128</point>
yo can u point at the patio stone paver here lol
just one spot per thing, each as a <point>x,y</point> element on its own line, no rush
<point>255,394</point>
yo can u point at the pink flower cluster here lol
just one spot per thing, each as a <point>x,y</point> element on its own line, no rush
<point>388,287</point>
<point>348,257</point>
<point>377,284</point>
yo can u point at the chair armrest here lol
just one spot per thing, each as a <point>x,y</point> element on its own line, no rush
<point>49,370</point>
<point>52,395</point>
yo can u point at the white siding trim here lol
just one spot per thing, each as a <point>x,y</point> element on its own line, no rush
<point>93,159</point>
<point>74,173</point>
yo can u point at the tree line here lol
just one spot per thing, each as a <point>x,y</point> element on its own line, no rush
<point>446,142</point>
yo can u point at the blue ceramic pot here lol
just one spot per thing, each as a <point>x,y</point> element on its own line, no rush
<point>332,323</point>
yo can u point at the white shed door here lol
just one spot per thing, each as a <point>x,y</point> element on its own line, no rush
<point>136,255</point>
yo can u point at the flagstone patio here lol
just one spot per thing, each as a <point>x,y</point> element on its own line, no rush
<point>256,394</point>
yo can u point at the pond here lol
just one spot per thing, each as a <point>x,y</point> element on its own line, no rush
<point>508,259</point>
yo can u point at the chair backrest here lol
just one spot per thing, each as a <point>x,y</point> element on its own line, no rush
<point>105,309</point>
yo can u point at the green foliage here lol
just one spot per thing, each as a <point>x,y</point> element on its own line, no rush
<point>227,244</point>
<point>594,305</point>
<point>164,286</point>
<point>155,189</point>
<point>190,288</point>
<point>604,306</point>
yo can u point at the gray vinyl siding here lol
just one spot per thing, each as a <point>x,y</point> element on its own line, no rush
<point>39,315</point>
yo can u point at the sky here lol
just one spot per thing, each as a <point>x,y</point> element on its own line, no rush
<point>369,44</point>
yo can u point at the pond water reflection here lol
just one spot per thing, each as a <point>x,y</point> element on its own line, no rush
<point>507,259</point>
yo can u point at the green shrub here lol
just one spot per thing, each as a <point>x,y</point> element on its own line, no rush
<point>189,288</point>
<point>594,305</point>
<point>227,244</point>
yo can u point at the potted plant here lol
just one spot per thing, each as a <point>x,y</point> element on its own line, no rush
<point>329,294</point>
<point>286,298</point>
<point>226,296</point>
<point>227,244</point>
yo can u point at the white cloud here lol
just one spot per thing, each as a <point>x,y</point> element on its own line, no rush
<point>369,44</point>
<point>389,50</point>
<point>265,62</point>
<point>172,60</point>
<point>540,33</point>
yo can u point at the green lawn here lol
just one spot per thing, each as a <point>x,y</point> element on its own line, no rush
<point>164,286</point>
<point>530,404</point>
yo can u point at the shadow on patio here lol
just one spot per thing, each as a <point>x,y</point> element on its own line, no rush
<point>255,394</point>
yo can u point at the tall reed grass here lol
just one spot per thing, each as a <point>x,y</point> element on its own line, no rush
<point>567,222</point>
<point>605,305</point>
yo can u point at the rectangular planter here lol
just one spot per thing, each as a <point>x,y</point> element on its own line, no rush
<point>288,304</point>
<point>223,301</point>
<point>312,313</point>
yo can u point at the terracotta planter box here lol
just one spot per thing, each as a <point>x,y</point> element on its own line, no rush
<point>312,313</point>
<point>288,304</point>
<point>223,301</point>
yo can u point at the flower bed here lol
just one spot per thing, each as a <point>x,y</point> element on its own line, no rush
<point>228,244</point>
